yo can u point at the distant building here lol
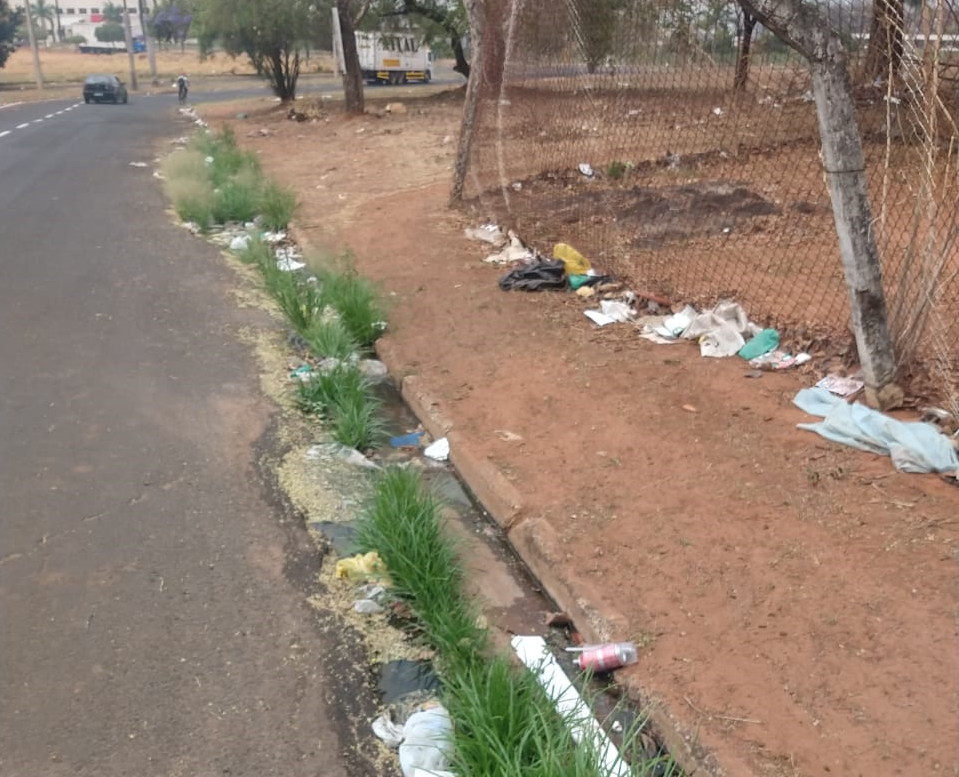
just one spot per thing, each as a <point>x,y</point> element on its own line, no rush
<point>84,19</point>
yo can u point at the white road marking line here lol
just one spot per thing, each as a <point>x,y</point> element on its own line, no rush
<point>25,124</point>
<point>5,132</point>
<point>37,121</point>
<point>48,116</point>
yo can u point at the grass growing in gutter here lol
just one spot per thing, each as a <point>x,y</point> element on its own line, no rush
<point>355,298</point>
<point>345,397</point>
<point>504,722</point>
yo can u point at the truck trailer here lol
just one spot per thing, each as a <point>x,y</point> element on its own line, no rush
<point>386,57</point>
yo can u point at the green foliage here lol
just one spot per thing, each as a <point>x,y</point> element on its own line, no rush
<point>597,27</point>
<point>113,12</point>
<point>109,32</point>
<point>329,338</point>
<point>616,170</point>
<point>345,397</point>
<point>10,20</point>
<point>402,523</point>
<point>43,14</point>
<point>270,32</point>
<point>228,158</point>
<point>75,40</point>
<point>277,206</point>
<point>188,187</point>
<point>358,419</point>
<point>504,722</point>
<point>300,301</point>
<point>256,252</point>
<point>356,300</point>
<point>237,198</point>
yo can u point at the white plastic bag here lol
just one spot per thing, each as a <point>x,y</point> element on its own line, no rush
<point>427,742</point>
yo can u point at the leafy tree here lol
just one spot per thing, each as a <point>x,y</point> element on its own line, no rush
<point>270,32</point>
<point>109,32</point>
<point>10,20</point>
<point>43,13</point>
<point>113,13</point>
<point>446,18</point>
<point>596,21</point>
<point>170,24</point>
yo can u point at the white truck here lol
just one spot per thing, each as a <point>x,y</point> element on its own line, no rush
<point>386,57</point>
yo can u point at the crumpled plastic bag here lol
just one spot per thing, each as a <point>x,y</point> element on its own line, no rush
<point>425,741</point>
<point>720,331</point>
<point>363,567</point>
<point>574,262</point>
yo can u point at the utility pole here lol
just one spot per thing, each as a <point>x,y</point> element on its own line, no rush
<point>33,46</point>
<point>148,37</point>
<point>128,35</point>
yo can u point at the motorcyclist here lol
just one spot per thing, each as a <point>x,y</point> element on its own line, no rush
<point>182,86</point>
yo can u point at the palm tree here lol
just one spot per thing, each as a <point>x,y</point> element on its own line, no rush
<point>42,13</point>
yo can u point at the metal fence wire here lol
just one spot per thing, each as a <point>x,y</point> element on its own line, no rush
<point>646,134</point>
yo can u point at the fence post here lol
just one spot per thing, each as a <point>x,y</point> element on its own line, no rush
<point>804,28</point>
<point>844,166</point>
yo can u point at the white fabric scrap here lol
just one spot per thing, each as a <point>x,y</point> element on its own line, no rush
<point>913,447</point>
<point>439,450</point>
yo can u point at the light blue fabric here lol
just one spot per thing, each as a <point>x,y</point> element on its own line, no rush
<point>913,447</point>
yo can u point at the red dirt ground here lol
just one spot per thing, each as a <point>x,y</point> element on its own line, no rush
<point>795,601</point>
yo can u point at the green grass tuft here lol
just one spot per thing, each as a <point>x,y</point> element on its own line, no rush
<point>277,205</point>
<point>403,525</point>
<point>237,198</point>
<point>329,338</point>
<point>505,724</point>
<point>355,298</point>
<point>358,419</point>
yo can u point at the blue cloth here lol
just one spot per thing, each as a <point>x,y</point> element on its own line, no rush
<point>913,447</point>
<point>411,440</point>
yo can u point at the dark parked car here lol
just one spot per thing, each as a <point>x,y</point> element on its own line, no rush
<point>104,89</point>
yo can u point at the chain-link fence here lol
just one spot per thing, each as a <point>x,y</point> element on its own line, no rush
<point>675,143</point>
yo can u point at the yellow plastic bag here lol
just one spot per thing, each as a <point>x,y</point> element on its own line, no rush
<point>362,568</point>
<point>576,263</point>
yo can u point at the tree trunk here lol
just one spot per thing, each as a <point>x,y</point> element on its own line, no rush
<point>742,64</point>
<point>352,77</point>
<point>884,53</point>
<point>462,65</point>
<point>473,88</point>
<point>803,28</point>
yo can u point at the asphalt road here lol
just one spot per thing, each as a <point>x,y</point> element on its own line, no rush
<point>152,586</point>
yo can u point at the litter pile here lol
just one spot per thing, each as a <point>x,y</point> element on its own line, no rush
<point>725,331</point>
<point>414,721</point>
